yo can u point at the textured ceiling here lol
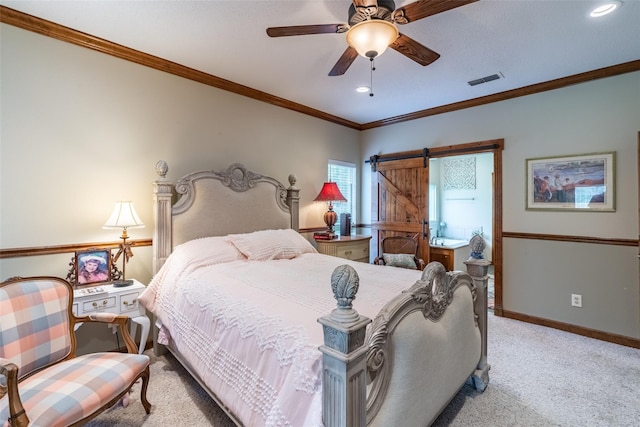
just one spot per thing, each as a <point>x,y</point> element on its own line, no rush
<point>526,42</point>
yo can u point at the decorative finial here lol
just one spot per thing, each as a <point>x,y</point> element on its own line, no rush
<point>162,168</point>
<point>344,284</point>
<point>292,180</point>
<point>477,244</point>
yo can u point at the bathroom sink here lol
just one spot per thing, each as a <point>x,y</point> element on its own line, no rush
<point>443,242</point>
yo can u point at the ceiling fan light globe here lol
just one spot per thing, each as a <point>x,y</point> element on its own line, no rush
<point>372,37</point>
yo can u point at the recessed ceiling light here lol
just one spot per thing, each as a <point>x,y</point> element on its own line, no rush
<point>605,8</point>
<point>362,89</point>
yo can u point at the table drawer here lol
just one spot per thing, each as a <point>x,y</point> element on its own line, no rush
<point>129,302</point>
<point>107,303</point>
<point>354,251</point>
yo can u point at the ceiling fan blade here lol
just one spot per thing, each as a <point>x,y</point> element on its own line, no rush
<point>301,30</point>
<point>414,50</point>
<point>345,61</point>
<point>423,8</point>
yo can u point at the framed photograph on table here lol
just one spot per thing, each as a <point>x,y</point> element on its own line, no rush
<point>576,183</point>
<point>92,266</point>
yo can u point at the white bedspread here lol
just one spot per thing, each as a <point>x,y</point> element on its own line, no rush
<point>249,328</point>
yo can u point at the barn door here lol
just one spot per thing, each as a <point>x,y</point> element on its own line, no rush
<point>400,198</point>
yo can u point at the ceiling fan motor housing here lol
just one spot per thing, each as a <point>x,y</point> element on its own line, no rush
<point>384,11</point>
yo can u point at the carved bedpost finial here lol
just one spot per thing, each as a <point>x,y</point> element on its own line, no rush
<point>344,284</point>
<point>477,244</point>
<point>292,180</point>
<point>162,168</point>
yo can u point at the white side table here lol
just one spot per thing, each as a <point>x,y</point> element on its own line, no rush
<point>106,298</point>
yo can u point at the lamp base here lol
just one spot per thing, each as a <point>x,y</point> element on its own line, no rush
<point>122,283</point>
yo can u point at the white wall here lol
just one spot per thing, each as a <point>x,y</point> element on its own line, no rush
<point>81,130</point>
<point>602,115</point>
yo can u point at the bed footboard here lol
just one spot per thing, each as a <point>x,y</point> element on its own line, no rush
<point>423,346</point>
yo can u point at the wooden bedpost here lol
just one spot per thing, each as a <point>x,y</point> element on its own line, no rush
<point>293,201</point>
<point>162,193</point>
<point>478,269</point>
<point>344,356</point>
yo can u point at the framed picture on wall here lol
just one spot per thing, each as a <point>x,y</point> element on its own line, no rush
<point>90,267</point>
<point>576,183</point>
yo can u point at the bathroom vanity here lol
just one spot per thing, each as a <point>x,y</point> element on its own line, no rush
<point>450,253</point>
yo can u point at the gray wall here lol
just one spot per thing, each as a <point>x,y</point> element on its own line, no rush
<point>540,276</point>
<point>80,130</point>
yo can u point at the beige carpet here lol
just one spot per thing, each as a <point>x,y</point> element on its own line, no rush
<point>176,399</point>
<point>539,377</point>
<point>490,292</point>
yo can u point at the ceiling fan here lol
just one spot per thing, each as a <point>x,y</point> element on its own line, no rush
<point>382,14</point>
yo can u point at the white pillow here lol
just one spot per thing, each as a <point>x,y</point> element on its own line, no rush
<point>207,249</point>
<point>271,244</point>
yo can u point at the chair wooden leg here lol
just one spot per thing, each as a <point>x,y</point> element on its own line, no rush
<point>143,391</point>
<point>19,417</point>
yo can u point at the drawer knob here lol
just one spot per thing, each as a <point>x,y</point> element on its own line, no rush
<point>104,304</point>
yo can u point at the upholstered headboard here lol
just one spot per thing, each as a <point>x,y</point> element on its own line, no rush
<point>216,203</point>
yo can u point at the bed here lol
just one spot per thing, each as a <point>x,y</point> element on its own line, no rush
<point>279,334</point>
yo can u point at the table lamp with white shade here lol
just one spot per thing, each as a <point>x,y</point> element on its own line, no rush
<point>124,216</point>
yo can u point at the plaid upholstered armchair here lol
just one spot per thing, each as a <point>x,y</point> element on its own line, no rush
<point>42,382</point>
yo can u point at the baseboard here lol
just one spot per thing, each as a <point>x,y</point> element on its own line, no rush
<point>579,330</point>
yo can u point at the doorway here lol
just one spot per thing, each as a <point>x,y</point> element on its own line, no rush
<point>494,243</point>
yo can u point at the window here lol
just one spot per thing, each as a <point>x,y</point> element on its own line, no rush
<point>433,203</point>
<point>344,174</point>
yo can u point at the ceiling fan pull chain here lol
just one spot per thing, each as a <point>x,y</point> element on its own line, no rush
<point>373,68</point>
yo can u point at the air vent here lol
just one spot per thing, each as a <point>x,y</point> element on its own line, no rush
<point>484,79</point>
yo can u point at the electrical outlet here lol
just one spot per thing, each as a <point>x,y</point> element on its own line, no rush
<point>576,300</point>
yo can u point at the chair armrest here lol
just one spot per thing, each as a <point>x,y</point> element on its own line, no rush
<point>9,385</point>
<point>120,321</point>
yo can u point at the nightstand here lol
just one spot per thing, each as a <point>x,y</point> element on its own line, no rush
<point>106,298</point>
<point>355,248</point>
